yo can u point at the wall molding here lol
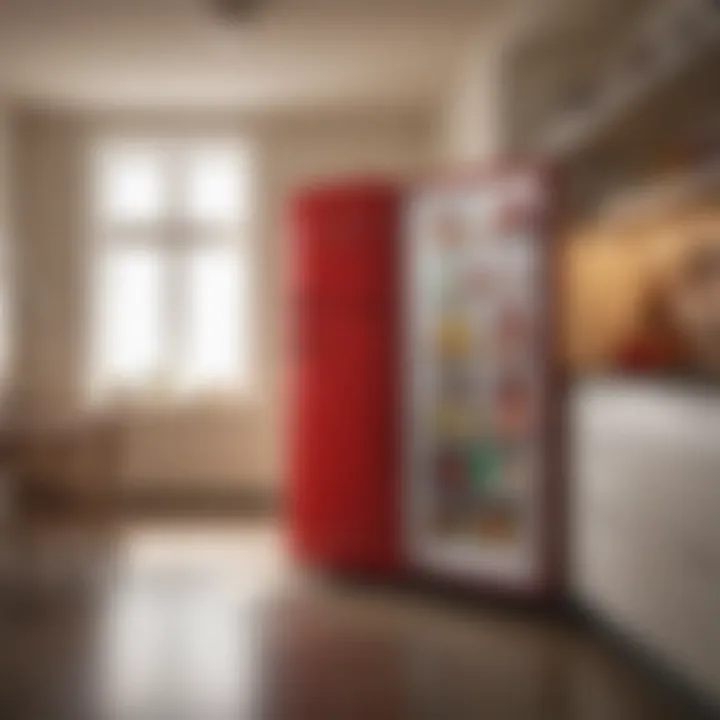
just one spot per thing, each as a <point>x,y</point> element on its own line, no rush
<point>161,499</point>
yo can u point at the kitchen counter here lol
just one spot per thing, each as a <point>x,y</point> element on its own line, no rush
<point>645,472</point>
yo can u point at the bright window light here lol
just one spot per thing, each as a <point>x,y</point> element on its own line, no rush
<point>171,275</point>
<point>217,189</point>
<point>215,328</point>
<point>132,319</point>
<point>132,186</point>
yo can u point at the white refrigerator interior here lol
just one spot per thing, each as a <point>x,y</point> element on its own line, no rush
<point>474,369</point>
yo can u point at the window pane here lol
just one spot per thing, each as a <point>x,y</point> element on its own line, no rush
<point>214,355</point>
<point>130,316</point>
<point>131,183</point>
<point>217,184</point>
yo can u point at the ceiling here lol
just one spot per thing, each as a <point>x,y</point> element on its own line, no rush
<point>289,53</point>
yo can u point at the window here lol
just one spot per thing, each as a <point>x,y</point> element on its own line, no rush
<point>170,267</point>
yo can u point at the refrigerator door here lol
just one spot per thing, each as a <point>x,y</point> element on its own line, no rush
<point>343,497</point>
<point>345,241</point>
<point>476,391</point>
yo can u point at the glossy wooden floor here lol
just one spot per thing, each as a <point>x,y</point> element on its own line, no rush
<point>209,621</point>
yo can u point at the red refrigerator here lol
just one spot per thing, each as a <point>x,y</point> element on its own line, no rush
<point>343,492</point>
<point>424,415</point>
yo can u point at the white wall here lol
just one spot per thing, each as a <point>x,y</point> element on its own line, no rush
<point>472,118</point>
<point>226,448</point>
<point>6,232</point>
<point>478,120</point>
<point>478,117</point>
<point>4,235</point>
<point>4,169</point>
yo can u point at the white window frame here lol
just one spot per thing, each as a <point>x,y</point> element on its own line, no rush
<point>174,236</point>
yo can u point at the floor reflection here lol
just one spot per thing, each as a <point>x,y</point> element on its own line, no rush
<point>188,621</point>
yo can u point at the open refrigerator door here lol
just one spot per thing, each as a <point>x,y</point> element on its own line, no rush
<point>475,360</point>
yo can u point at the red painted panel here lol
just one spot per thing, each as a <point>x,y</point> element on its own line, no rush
<point>344,480</point>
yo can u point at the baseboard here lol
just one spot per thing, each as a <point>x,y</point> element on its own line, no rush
<point>168,500</point>
<point>156,498</point>
<point>700,704</point>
